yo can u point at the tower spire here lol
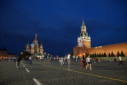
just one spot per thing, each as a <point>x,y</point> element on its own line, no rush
<point>36,36</point>
<point>83,21</point>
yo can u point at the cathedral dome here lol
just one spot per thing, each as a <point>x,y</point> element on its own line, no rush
<point>32,44</point>
<point>41,44</point>
<point>27,45</point>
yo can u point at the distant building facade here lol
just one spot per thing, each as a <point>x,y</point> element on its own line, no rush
<point>35,49</point>
<point>84,45</point>
<point>5,55</point>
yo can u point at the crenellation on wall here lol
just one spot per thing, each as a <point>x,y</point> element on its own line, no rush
<point>110,48</point>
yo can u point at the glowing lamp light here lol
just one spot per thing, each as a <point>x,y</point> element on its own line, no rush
<point>68,56</point>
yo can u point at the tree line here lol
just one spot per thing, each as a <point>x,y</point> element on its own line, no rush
<point>109,54</point>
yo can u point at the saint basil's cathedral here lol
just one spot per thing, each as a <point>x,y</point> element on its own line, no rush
<point>35,49</point>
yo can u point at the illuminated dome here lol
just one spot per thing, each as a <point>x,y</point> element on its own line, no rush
<point>32,44</point>
<point>27,45</point>
<point>41,44</point>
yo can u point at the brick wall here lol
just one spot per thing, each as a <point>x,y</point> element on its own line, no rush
<point>110,48</point>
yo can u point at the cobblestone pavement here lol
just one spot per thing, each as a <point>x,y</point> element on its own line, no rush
<point>53,73</point>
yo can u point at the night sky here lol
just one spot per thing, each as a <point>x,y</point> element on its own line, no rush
<point>58,23</point>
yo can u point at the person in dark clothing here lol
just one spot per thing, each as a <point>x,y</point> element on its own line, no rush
<point>18,62</point>
<point>83,59</point>
<point>26,59</point>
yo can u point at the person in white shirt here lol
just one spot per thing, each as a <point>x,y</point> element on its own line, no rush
<point>120,60</point>
<point>76,57</point>
<point>89,62</point>
<point>62,59</point>
<point>30,59</point>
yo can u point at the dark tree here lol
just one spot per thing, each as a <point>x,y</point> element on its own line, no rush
<point>118,53</point>
<point>99,55</point>
<point>95,55</point>
<point>91,55</point>
<point>86,54</point>
<point>24,54</point>
<point>122,54</point>
<point>105,55</point>
<point>112,54</point>
<point>109,55</point>
<point>71,55</point>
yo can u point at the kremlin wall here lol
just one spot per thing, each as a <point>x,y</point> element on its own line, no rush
<point>109,49</point>
<point>84,46</point>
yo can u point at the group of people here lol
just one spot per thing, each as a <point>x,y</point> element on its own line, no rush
<point>86,61</point>
<point>63,60</point>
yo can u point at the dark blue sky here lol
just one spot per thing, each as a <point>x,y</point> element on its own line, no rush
<point>58,22</point>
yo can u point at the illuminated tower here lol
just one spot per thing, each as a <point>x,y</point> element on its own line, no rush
<point>28,47</point>
<point>84,40</point>
<point>41,48</point>
<point>36,43</point>
<point>32,48</point>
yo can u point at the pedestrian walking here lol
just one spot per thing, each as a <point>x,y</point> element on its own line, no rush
<point>26,59</point>
<point>14,59</point>
<point>120,60</point>
<point>110,59</point>
<point>18,62</point>
<point>30,59</point>
<point>89,62</point>
<point>76,57</point>
<point>61,60</point>
<point>65,60</point>
<point>83,59</point>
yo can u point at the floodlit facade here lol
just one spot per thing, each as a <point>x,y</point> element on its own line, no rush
<point>35,49</point>
<point>84,45</point>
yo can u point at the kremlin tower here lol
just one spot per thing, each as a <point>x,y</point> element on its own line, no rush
<point>84,40</point>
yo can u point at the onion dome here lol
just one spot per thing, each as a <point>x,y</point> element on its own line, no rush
<point>27,45</point>
<point>32,45</point>
<point>41,44</point>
